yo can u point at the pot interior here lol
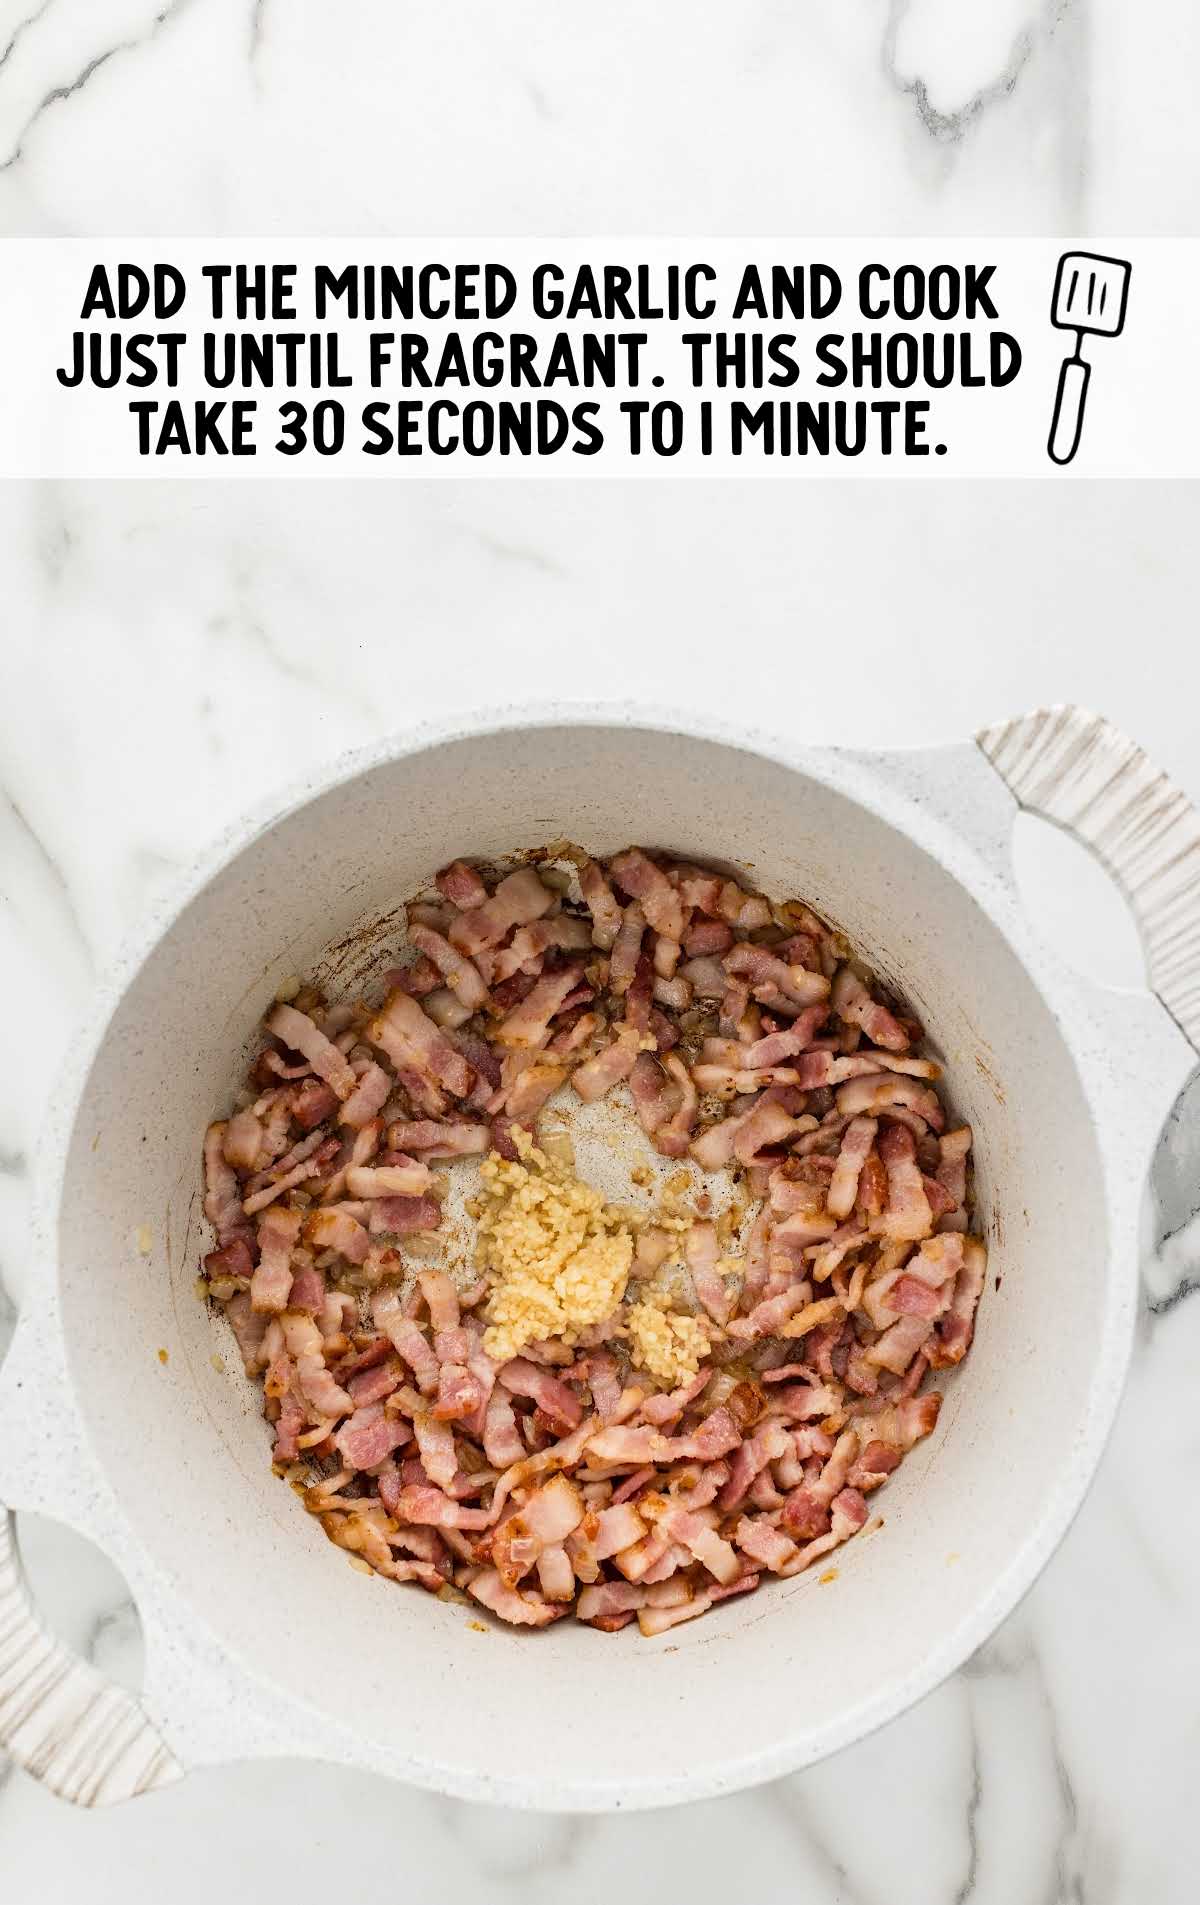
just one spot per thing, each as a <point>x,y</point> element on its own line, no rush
<point>794,1668</point>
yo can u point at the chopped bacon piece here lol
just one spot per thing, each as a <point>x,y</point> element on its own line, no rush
<point>302,1034</point>
<point>370,1436</point>
<point>313,1103</point>
<point>518,899</point>
<point>957,1326</point>
<point>278,1232</point>
<point>953,1152</point>
<point>703,1256</point>
<point>403,1177</point>
<point>331,1228</point>
<point>460,974</point>
<point>771,981</point>
<point>523,1378</point>
<point>520,1610</point>
<point>242,1141</point>
<point>434,1138</point>
<point>407,1339</point>
<point>249,1328</point>
<point>402,1216</point>
<point>857,1140</point>
<point>234,1259</point>
<point>907,1213</point>
<point>428,1507</point>
<point>652,1091</point>
<point>528,1024</point>
<point>853,1003</point>
<point>415,1045</point>
<point>601,904</point>
<point>461,885</point>
<point>222,1196</point>
<point>598,1075</point>
<point>636,874</point>
<point>705,938</point>
<point>882,1091</point>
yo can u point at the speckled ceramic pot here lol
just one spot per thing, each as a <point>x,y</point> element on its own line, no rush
<point>259,1639</point>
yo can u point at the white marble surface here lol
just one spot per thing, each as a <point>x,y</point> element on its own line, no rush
<point>174,653</point>
<point>171,655</point>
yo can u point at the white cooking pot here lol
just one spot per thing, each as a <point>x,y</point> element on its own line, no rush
<point>259,1639</point>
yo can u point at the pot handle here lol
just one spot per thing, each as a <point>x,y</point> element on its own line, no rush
<point>81,1735</point>
<point>1078,770</point>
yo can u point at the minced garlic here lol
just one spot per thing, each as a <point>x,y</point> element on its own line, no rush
<point>558,1254</point>
<point>671,1345</point>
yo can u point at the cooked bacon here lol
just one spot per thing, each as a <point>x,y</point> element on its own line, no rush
<point>766,1125</point>
<point>627,950</point>
<point>854,1005</point>
<point>403,1177</point>
<point>598,1075</point>
<point>418,978</point>
<point>848,1513</point>
<point>653,1093</point>
<point>368,1098</point>
<point>222,1196</point>
<point>907,1213</point>
<point>772,1313</point>
<point>523,1378</point>
<point>673,1138</point>
<point>706,937</point>
<point>302,1034</point>
<point>764,1543</point>
<point>518,899</point>
<point>530,944</point>
<point>772,982</point>
<point>435,1138</point>
<point>242,1141</point>
<point>415,1045</point>
<point>407,1339</point>
<point>601,904</point>
<point>900,1343</point>
<point>703,1256</point>
<point>435,1440</point>
<point>883,1091</point>
<point>370,1436</point>
<point>402,1216</point>
<point>953,1152</point>
<point>528,1024</point>
<point>636,874</point>
<point>313,1103</point>
<point>331,1228</point>
<point>955,1330</point>
<point>857,1140</point>
<point>278,1232</point>
<point>374,1384</point>
<point>501,1443</point>
<point>316,1385</point>
<point>308,1290</point>
<point>656,1620</point>
<point>460,974</point>
<point>249,1328</point>
<point>461,885</point>
<point>520,1610</point>
<point>312,1166</point>
<point>428,1507</point>
<point>859,1259</point>
<point>234,1259</point>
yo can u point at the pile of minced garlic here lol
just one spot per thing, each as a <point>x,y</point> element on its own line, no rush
<point>559,1258</point>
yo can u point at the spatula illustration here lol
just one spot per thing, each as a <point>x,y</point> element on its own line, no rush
<point>1090,293</point>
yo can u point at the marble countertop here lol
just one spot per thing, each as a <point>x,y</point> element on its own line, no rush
<point>171,655</point>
